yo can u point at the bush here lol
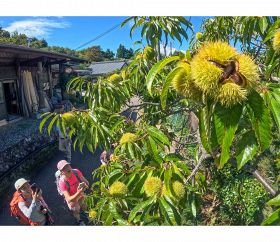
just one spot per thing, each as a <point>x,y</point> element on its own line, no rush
<point>242,197</point>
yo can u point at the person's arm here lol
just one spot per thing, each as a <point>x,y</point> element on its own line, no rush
<point>84,180</point>
<point>103,157</point>
<point>28,211</point>
<point>73,197</point>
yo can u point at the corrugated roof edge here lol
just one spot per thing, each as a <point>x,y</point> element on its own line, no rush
<point>25,48</point>
<point>112,61</point>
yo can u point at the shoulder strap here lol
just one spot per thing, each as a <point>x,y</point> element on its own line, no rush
<point>76,173</point>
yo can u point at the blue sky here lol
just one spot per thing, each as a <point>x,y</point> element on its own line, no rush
<point>72,32</point>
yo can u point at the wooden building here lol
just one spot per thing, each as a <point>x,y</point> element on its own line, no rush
<point>27,79</point>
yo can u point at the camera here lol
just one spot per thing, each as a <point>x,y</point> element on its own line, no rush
<point>82,185</point>
<point>35,188</point>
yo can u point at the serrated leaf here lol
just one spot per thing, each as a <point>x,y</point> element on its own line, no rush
<point>116,215</point>
<point>260,119</point>
<point>167,179</point>
<point>274,104</point>
<point>52,123</point>
<point>225,128</point>
<point>263,24</point>
<point>173,157</point>
<point>273,219</point>
<point>274,201</point>
<point>183,167</point>
<point>168,212</point>
<point>140,206</point>
<point>158,134</point>
<point>156,69</point>
<point>193,207</point>
<point>166,86</point>
<point>154,150</point>
<point>130,150</point>
<point>246,148</point>
<point>44,121</point>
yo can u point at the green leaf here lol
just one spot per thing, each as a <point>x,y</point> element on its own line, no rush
<point>274,105</point>
<point>263,24</point>
<point>274,201</point>
<point>166,85</point>
<point>167,179</point>
<point>136,191</point>
<point>174,209</point>
<point>44,114</point>
<point>154,150</point>
<point>246,148</point>
<point>126,21</point>
<point>44,121</point>
<point>193,207</point>
<point>116,215</point>
<point>183,167</point>
<point>140,206</point>
<point>273,219</point>
<point>225,128</point>
<point>158,134</point>
<point>115,175</point>
<point>260,119</point>
<point>168,212</point>
<point>52,123</point>
<point>156,69</point>
<point>173,157</point>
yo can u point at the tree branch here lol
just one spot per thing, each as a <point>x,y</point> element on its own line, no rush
<point>200,161</point>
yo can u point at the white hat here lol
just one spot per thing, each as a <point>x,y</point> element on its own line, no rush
<point>20,182</point>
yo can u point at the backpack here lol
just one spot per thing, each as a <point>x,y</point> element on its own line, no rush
<point>59,177</point>
<point>16,212</point>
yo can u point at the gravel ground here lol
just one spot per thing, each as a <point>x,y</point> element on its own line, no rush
<point>12,133</point>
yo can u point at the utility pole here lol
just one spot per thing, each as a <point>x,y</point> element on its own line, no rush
<point>158,50</point>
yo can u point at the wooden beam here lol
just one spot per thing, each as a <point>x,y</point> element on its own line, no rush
<point>40,86</point>
<point>18,83</point>
<point>50,79</point>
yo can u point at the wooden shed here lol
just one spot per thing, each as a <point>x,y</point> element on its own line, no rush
<point>27,78</point>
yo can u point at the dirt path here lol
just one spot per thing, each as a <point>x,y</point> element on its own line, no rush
<point>45,178</point>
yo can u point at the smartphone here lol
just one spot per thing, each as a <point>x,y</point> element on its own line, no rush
<point>82,185</point>
<point>35,188</point>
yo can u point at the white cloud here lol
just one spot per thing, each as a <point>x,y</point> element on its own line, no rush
<point>168,50</point>
<point>38,27</point>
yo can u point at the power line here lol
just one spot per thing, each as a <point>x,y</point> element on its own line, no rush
<point>98,36</point>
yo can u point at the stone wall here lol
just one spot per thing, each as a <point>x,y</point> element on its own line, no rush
<point>19,139</point>
<point>29,166</point>
<point>24,147</point>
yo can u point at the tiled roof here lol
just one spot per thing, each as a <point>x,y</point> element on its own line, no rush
<point>105,67</point>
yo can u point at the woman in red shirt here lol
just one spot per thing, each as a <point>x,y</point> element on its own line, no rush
<point>73,184</point>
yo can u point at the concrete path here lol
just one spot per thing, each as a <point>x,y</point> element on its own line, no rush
<point>45,178</point>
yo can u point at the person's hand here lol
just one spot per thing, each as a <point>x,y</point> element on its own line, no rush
<point>44,211</point>
<point>80,189</point>
<point>35,196</point>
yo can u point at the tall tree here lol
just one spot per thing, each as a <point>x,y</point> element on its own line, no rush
<point>94,53</point>
<point>108,54</point>
<point>124,53</point>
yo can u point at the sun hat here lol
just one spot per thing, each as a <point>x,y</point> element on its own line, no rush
<point>20,182</point>
<point>61,164</point>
